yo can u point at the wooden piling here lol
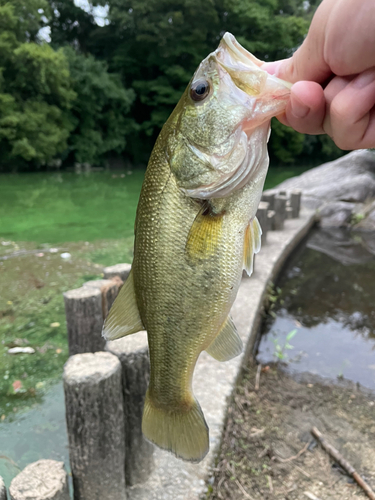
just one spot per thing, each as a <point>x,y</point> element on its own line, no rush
<point>289,212</point>
<point>3,491</point>
<point>280,206</point>
<point>271,220</point>
<point>42,480</point>
<point>295,202</point>
<point>269,198</point>
<point>262,218</point>
<point>132,352</point>
<point>84,318</point>
<point>120,270</point>
<point>95,423</point>
<point>109,289</point>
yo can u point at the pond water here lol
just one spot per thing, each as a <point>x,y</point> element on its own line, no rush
<point>37,433</point>
<point>325,296</point>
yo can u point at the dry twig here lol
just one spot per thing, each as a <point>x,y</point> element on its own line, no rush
<point>344,464</point>
<point>310,495</point>
<point>303,471</point>
<point>284,460</point>
<point>257,378</point>
<point>244,492</point>
<point>270,483</point>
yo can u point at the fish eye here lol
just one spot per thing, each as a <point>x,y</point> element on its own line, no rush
<point>200,90</point>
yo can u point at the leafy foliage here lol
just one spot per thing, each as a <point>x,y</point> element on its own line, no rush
<point>35,88</point>
<point>100,114</point>
<point>95,92</point>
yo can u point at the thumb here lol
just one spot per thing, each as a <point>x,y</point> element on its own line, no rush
<point>308,62</point>
<point>305,64</point>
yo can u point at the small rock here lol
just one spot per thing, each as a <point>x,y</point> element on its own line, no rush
<point>21,350</point>
<point>65,255</point>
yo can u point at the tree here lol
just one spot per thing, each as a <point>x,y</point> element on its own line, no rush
<point>100,113</point>
<point>71,25</point>
<point>156,46</point>
<point>35,90</point>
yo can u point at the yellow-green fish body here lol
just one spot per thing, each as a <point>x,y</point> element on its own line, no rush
<point>195,232</point>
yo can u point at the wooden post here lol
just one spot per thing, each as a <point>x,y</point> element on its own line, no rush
<point>132,352</point>
<point>42,480</point>
<point>271,220</point>
<point>262,218</point>
<point>84,318</point>
<point>280,206</point>
<point>109,289</point>
<point>95,423</point>
<point>269,198</point>
<point>295,202</point>
<point>3,491</point>
<point>120,270</point>
<point>289,212</point>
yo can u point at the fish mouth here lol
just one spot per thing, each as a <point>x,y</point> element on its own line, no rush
<point>236,59</point>
<point>266,96</point>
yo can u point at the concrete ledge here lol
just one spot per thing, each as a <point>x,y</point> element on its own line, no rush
<point>173,479</point>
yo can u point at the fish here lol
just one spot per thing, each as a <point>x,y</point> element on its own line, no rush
<point>195,231</point>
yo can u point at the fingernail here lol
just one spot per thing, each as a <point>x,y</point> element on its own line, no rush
<point>299,109</point>
<point>272,67</point>
<point>364,79</point>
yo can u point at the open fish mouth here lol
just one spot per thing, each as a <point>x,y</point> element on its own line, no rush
<point>264,96</point>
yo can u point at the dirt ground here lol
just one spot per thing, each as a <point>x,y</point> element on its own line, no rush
<point>269,452</point>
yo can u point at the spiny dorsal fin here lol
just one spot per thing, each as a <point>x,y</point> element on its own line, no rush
<point>204,235</point>
<point>252,244</point>
<point>123,318</point>
<point>227,344</point>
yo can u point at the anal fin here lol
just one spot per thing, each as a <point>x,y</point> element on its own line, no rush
<point>227,344</point>
<point>252,244</point>
<point>123,318</point>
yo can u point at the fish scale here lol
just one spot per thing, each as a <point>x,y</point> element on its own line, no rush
<point>195,231</point>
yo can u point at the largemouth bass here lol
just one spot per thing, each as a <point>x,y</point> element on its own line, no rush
<point>195,232</point>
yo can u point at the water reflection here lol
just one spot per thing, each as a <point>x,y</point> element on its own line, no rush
<point>328,291</point>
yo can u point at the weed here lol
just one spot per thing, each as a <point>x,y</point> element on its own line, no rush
<point>280,349</point>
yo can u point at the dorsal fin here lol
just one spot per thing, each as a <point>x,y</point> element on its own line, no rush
<point>227,344</point>
<point>252,244</point>
<point>123,318</point>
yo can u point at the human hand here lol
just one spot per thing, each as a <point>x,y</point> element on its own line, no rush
<point>339,49</point>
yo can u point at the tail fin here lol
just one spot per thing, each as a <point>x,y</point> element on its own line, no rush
<point>183,432</point>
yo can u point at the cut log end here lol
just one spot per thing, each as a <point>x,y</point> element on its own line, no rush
<point>42,480</point>
<point>90,368</point>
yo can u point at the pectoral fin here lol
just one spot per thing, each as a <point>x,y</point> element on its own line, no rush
<point>204,235</point>
<point>123,318</point>
<point>252,244</point>
<point>227,344</point>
